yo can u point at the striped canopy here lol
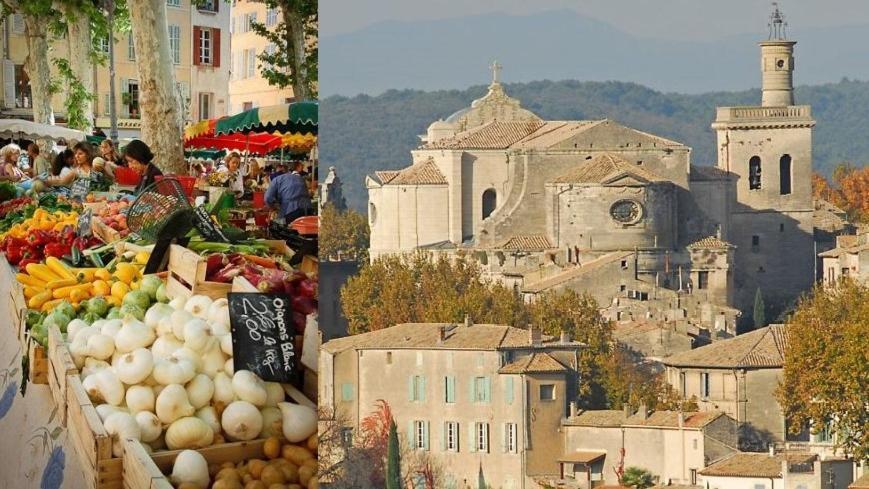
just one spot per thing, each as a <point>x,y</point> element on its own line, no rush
<point>299,117</point>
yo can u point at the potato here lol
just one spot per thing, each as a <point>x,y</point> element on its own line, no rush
<point>272,475</point>
<point>227,483</point>
<point>256,467</point>
<point>313,442</point>
<point>272,447</point>
<point>255,485</point>
<point>305,474</point>
<point>231,474</point>
<point>291,472</point>
<point>296,454</point>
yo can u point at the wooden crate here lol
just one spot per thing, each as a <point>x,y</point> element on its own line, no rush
<point>90,440</point>
<point>102,231</point>
<point>310,264</point>
<point>38,364</point>
<point>60,366</point>
<point>143,471</point>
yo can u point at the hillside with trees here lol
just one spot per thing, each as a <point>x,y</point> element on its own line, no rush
<point>368,133</point>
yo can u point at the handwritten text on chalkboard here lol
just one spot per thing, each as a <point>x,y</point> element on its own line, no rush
<point>263,335</point>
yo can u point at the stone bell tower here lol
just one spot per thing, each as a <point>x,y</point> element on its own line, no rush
<point>768,150</point>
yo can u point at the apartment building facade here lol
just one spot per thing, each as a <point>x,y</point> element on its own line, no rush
<point>247,87</point>
<point>481,399</point>
<point>198,42</point>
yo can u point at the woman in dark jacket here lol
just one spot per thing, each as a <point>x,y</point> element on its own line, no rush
<point>138,157</point>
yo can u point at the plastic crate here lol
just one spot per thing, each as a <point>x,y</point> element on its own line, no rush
<point>126,176</point>
<point>187,183</point>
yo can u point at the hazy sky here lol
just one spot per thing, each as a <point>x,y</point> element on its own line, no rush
<point>666,19</point>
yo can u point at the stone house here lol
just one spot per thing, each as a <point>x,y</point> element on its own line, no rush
<point>789,470</point>
<point>596,206</point>
<point>849,259</point>
<point>477,397</point>
<point>673,446</point>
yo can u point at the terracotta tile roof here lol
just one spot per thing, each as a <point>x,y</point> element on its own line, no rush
<point>710,242</point>
<point>583,457</point>
<point>762,348</point>
<point>755,464</point>
<point>828,217</point>
<point>535,363</point>
<point>615,418</point>
<point>702,173</point>
<point>552,133</point>
<point>604,168</point>
<point>526,242</point>
<point>492,135</point>
<point>575,272</point>
<point>424,336</point>
<point>423,173</point>
<point>386,175</point>
<point>861,483</point>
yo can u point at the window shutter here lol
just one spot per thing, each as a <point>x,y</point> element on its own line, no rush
<point>215,34</point>
<point>411,394</point>
<point>422,388</point>
<point>411,434</point>
<point>196,45</point>
<point>504,442</point>
<point>486,437</point>
<point>425,428</point>
<point>125,87</point>
<point>9,82</point>
<point>508,390</point>
<point>472,436</point>
<point>458,436</point>
<point>487,389</point>
<point>217,6</point>
<point>473,389</point>
<point>446,424</point>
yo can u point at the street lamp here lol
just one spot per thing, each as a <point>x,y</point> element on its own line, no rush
<point>113,115</point>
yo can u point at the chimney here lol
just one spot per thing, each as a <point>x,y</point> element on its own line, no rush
<point>565,336</point>
<point>533,336</point>
<point>468,322</point>
<point>643,411</point>
<point>681,419</point>
<point>772,450</point>
<point>572,409</point>
<point>442,333</point>
<point>627,410</point>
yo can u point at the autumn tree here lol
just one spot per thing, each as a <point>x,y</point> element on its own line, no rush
<point>294,61</point>
<point>826,366</point>
<point>847,189</point>
<point>343,233</point>
<point>629,380</point>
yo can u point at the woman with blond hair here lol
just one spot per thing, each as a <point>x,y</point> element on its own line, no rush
<point>9,171</point>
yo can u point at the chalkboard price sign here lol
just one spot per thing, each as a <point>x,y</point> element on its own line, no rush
<point>206,225</point>
<point>80,188</point>
<point>84,222</point>
<point>262,335</point>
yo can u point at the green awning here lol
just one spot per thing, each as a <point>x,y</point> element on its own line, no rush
<point>298,117</point>
<point>95,139</point>
<point>206,154</point>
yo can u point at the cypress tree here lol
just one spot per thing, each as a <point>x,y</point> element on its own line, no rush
<point>393,459</point>
<point>759,310</point>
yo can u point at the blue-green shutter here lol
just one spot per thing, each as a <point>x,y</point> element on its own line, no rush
<point>411,389</point>
<point>450,382</point>
<point>472,437</point>
<point>421,388</point>
<point>411,435</point>
<point>444,435</point>
<point>487,389</point>
<point>504,437</point>
<point>425,430</point>
<point>473,389</point>
<point>508,389</point>
<point>458,437</point>
<point>346,392</point>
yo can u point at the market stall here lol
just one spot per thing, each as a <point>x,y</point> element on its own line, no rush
<point>138,379</point>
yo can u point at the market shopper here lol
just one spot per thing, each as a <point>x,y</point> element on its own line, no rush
<point>39,164</point>
<point>9,171</point>
<point>110,154</point>
<point>236,182</point>
<point>61,173</point>
<point>139,157</point>
<point>289,193</point>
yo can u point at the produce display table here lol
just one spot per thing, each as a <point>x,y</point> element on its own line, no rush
<point>35,448</point>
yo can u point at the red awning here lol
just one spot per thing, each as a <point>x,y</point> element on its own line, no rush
<point>256,143</point>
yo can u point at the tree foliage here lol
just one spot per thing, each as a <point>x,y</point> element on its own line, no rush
<point>637,478</point>
<point>343,233</point>
<point>295,59</point>
<point>826,367</point>
<point>393,459</point>
<point>368,133</point>
<point>759,314</point>
<point>419,288</point>
<point>848,189</point>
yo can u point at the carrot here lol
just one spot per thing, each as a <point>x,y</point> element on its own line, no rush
<point>261,261</point>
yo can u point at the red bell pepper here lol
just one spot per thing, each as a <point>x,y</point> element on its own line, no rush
<point>13,254</point>
<point>56,250</point>
<point>23,263</point>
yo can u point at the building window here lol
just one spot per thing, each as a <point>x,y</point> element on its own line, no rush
<point>416,388</point>
<point>510,438</point>
<point>17,24</point>
<point>547,392</point>
<point>103,44</point>
<point>271,17</point>
<point>175,43</point>
<point>248,106</point>
<point>205,105</point>
<point>208,6</point>
<point>508,390</point>
<point>250,55</point>
<point>420,435</point>
<point>683,384</point>
<point>755,243</point>
<point>449,389</point>
<point>784,169</point>
<point>270,50</point>
<point>480,389</point>
<point>389,358</point>
<point>346,392</point>
<point>173,3</point>
<point>704,385</point>
<point>781,227</point>
<point>695,443</point>
<point>247,21</point>
<point>347,437</point>
<point>702,280</point>
<point>490,201</point>
<point>131,49</point>
<point>205,46</point>
<point>693,477</point>
<point>451,436</point>
<point>481,437</point>
<point>754,173</point>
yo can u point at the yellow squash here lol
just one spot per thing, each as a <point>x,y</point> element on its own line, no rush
<point>59,268</point>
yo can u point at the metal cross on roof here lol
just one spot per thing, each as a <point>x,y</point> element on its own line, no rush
<point>777,24</point>
<point>496,69</point>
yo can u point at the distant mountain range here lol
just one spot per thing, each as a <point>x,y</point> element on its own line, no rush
<point>364,133</point>
<point>556,45</point>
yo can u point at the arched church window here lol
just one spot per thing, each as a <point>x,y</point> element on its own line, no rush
<point>490,201</point>
<point>754,173</point>
<point>784,168</point>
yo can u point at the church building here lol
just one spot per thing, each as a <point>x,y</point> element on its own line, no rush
<point>596,206</point>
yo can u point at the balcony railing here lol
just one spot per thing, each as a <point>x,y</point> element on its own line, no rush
<point>754,113</point>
